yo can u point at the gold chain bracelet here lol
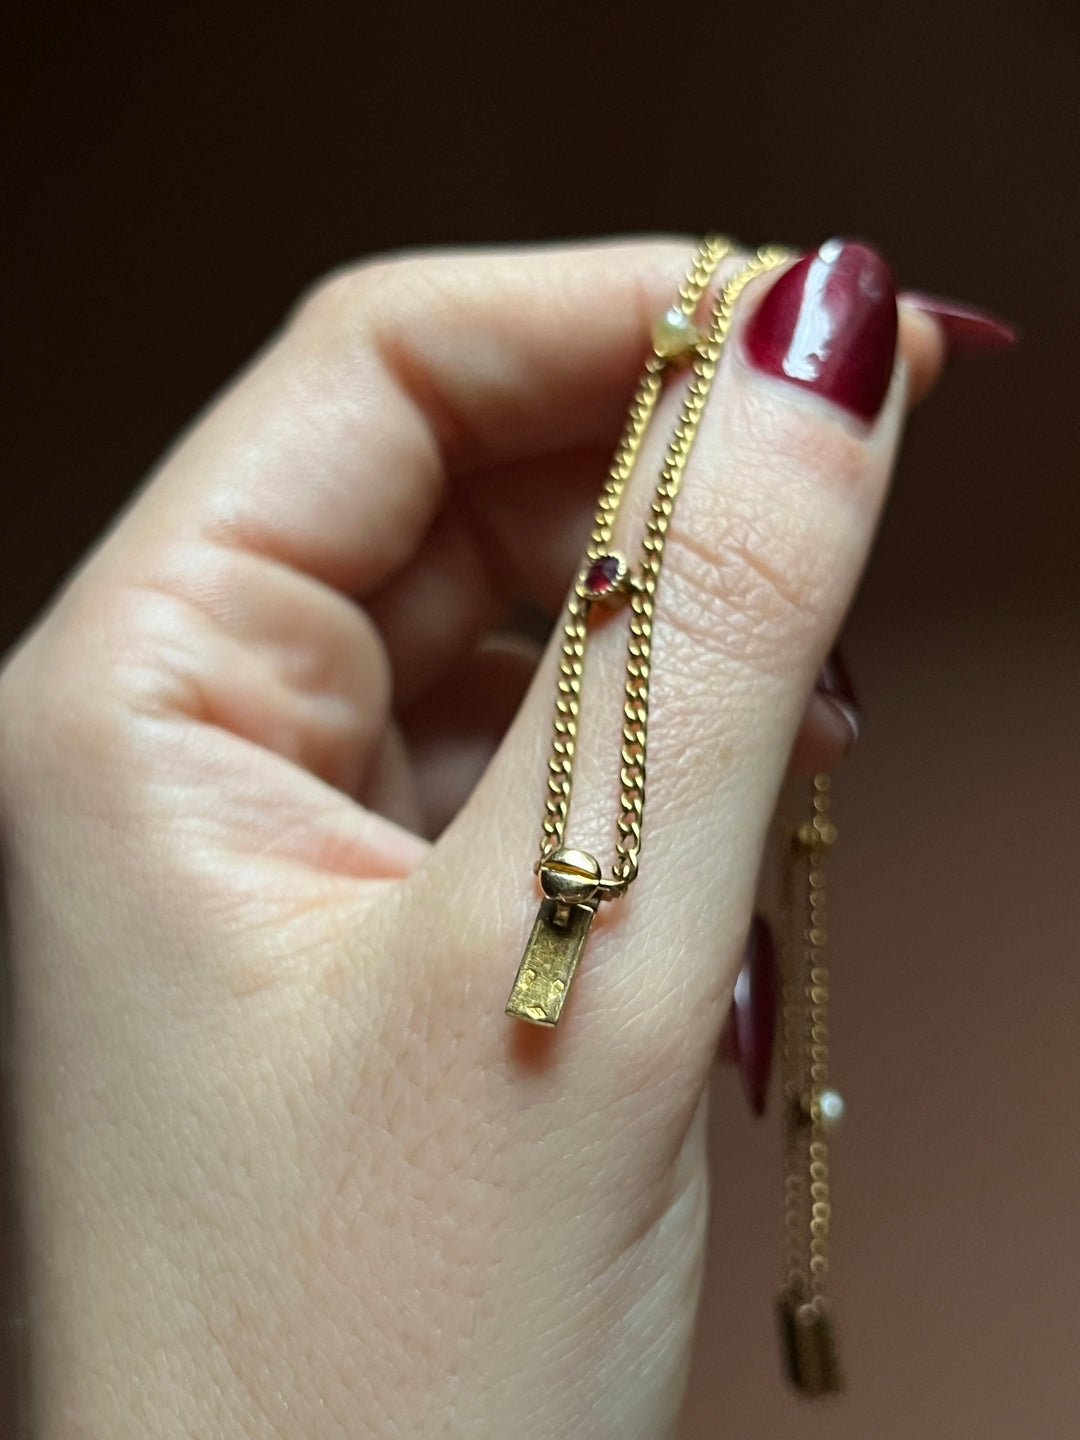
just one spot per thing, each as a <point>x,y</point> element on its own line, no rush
<point>572,880</point>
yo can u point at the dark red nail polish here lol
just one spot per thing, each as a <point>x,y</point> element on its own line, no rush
<point>834,683</point>
<point>829,325</point>
<point>968,329</point>
<point>750,1030</point>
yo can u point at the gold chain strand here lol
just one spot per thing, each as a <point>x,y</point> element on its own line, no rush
<point>643,596</point>
<point>809,1105</point>
<point>572,880</point>
<point>571,663</point>
<point>711,251</point>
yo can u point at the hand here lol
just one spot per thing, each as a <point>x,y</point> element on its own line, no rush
<point>287,1168</point>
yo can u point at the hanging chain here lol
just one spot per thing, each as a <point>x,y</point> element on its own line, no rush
<point>810,1106</point>
<point>704,354</point>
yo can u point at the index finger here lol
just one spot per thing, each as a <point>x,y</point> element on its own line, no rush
<point>332,452</point>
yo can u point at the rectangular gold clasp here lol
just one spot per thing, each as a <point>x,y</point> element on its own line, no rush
<point>809,1345</point>
<point>549,962</point>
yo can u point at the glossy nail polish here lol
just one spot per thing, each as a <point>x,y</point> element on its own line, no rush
<point>749,1033</point>
<point>968,329</point>
<point>834,685</point>
<point>829,325</point>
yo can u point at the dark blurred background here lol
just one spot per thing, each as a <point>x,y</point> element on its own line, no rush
<point>177,173</point>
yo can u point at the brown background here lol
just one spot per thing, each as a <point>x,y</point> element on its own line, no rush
<point>177,173</point>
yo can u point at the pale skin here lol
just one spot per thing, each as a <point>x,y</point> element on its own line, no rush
<point>287,1169</point>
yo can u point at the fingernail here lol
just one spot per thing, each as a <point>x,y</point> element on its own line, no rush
<point>829,325</point>
<point>968,329</point>
<point>749,1033</point>
<point>834,684</point>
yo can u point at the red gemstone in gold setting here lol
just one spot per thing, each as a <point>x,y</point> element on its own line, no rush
<point>605,579</point>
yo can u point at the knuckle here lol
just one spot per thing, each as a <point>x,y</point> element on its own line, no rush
<point>77,701</point>
<point>760,590</point>
<point>348,300</point>
<point>760,562</point>
<point>47,742</point>
<point>330,300</point>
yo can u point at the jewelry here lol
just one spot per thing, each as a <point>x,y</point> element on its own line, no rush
<point>572,880</point>
<point>811,1107</point>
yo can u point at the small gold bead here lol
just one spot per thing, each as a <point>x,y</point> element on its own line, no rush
<point>571,877</point>
<point>823,830</point>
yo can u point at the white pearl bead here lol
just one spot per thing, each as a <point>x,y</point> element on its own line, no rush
<point>831,1105</point>
<point>674,334</point>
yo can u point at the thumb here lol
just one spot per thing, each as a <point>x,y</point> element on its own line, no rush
<point>599,1123</point>
<point>766,543</point>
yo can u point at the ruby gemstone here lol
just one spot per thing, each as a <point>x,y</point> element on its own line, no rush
<point>603,575</point>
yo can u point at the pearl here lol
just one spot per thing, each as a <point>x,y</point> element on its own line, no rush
<point>674,334</point>
<point>831,1105</point>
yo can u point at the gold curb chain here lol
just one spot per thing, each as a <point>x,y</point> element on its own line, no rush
<point>572,880</point>
<point>810,1106</point>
